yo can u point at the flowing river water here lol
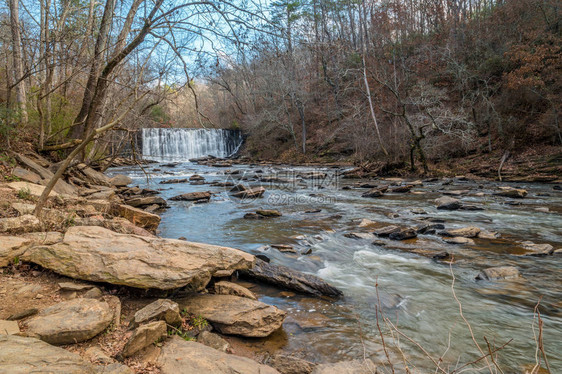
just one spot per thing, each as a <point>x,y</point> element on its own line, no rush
<point>414,290</point>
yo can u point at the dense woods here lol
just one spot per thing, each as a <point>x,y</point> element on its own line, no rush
<point>399,81</point>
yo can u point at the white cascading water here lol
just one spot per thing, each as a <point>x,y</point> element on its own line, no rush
<point>183,144</point>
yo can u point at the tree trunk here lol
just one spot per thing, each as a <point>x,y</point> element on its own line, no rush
<point>18,59</point>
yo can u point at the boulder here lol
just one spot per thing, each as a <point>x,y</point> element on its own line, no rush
<point>285,248</point>
<point>26,175</point>
<point>291,365</point>
<point>100,255</point>
<point>250,193</point>
<point>115,368</point>
<point>11,247</point>
<point>102,194</point>
<point>213,340</point>
<point>162,309</point>
<point>488,235</point>
<point>75,287</point>
<point>447,203</point>
<point>193,196</point>
<point>286,278</point>
<point>21,224</point>
<point>23,355</point>
<point>501,272</point>
<point>120,180</point>
<point>465,232</point>
<point>9,327</point>
<point>196,177</point>
<point>137,216</point>
<point>347,367</point>
<point>403,234</point>
<point>71,321</point>
<point>514,193</point>
<point>229,288</point>
<point>144,336</point>
<point>97,356</point>
<point>252,215</point>
<point>31,188</point>
<point>366,223</point>
<point>235,315</point>
<point>269,213</point>
<point>186,357</point>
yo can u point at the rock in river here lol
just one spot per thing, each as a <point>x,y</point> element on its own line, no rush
<point>229,288</point>
<point>236,315</point>
<point>185,357</point>
<point>71,321</point>
<point>290,279</point>
<point>347,367</point>
<point>517,193</point>
<point>22,355</point>
<point>500,272</point>
<point>193,196</point>
<point>447,203</point>
<point>403,234</point>
<point>250,193</point>
<point>100,255</point>
<point>465,232</point>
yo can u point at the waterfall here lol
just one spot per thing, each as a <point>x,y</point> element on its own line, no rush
<point>183,144</point>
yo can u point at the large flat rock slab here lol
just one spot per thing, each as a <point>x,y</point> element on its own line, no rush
<point>71,321</point>
<point>185,357</point>
<point>236,315</point>
<point>32,188</point>
<point>96,254</point>
<point>22,355</point>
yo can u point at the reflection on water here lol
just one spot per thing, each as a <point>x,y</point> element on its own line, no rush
<point>415,291</point>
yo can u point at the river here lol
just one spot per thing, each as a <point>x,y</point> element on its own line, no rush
<point>415,290</point>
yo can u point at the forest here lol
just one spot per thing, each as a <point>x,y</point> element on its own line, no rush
<point>405,83</point>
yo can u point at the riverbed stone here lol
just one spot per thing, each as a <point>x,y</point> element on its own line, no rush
<point>458,240</point>
<point>291,365</point>
<point>236,315</point>
<point>500,272</point>
<point>23,355</point>
<point>465,232</point>
<point>375,192</point>
<point>514,193</point>
<point>162,309</point>
<point>447,203</point>
<point>386,231</point>
<point>289,279</point>
<point>229,288</point>
<point>538,249</point>
<point>144,336</point>
<point>138,217</point>
<point>210,339</point>
<point>71,321</point>
<point>269,213</point>
<point>187,357</point>
<point>403,234</point>
<point>193,196</point>
<point>250,193</point>
<point>359,235</point>
<point>140,202</point>
<point>347,367</point>
<point>96,254</point>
